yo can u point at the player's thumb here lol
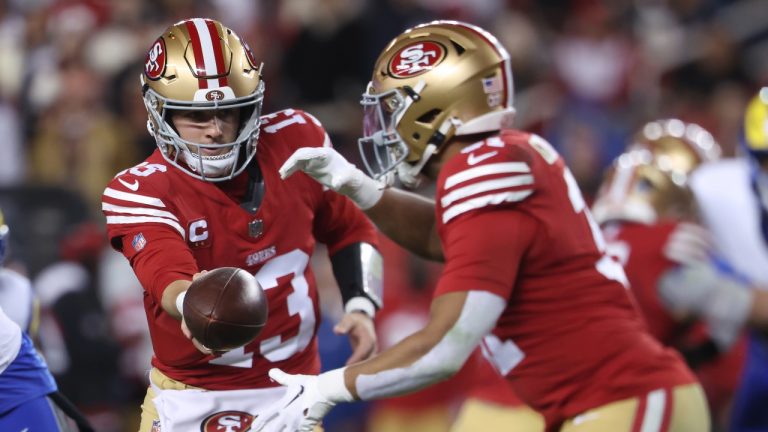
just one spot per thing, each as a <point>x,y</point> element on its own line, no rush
<point>343,327</point>
<point>289,167</point>
<point>281,377</point>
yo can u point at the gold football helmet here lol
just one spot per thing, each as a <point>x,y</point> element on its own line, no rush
<point>756,125</point>
<point>649,181</point>
<point>433,82</point>
<point>198,64</point>
<point>755,141</point>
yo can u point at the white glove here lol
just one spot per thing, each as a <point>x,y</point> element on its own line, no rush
<point>701,289</point>
<point>688,244</point>
<point>328,167</point>
<point>307,400</point>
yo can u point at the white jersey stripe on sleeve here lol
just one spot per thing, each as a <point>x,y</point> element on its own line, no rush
<point>138,211</point>
<point>125,196</point>
<point>484,170</point>
<point>484,200</point>
<point>485,186</point>
<point>116,220</point>
<point>654,411</point>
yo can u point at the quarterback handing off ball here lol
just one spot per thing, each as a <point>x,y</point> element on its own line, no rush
<point>225,308</point>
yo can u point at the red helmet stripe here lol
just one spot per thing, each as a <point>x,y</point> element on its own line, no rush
<point>197,49</point>
<point>217,52</point>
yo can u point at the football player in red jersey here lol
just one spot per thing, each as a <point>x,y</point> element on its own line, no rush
<point>206,198</point>
<point>526,274</point>
<point>651,223</point>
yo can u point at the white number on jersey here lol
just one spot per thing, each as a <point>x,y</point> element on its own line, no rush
<point>144,169</point>
<point>300,304</point>
<point>606,265</point>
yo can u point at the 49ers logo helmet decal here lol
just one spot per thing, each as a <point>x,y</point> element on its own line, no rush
<point>154,64</point>
<point>416,58</point>
<point>249,55</point>
<point>229,421</point>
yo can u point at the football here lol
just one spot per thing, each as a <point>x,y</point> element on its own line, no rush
<point>225,308</point>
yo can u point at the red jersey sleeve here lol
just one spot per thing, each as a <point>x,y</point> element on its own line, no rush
<point>484,249</point>
<point>339,223</point>
<point>163,259</point>
<point>144,226</point>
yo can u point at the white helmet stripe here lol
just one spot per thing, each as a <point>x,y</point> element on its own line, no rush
<point>206,38</point>
<point>622,181</point>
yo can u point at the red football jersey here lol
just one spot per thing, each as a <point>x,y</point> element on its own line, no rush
<point>170,226</point>
<point>513,222</point>
<point>640,248</point>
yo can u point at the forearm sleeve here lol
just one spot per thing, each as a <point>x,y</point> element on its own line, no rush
<point>358,272</point>
<point>478,317</point>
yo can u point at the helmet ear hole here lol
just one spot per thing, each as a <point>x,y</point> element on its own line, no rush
<point>429,116</point>
<point>459,49</point>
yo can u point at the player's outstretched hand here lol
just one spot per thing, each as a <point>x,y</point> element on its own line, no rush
<point>200,347</point>
<point>188,334</point>
<point>307,400</point>
<point>362,335</point>
<point>701,289</point>
<point>689,243</point>
<point>329,168</point>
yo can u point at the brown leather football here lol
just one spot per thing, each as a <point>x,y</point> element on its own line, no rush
<point>225,308</point>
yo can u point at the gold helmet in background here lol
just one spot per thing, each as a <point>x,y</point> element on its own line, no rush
<point>433,82</point>
<point>754,140</point>
<point>198,64</point>
<point>649,181</point>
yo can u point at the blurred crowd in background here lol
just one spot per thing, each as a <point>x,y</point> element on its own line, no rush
<point>587,74</point>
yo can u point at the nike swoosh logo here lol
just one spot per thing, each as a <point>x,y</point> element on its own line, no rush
<point>132,186</point>
<point>301,391</point>
<point>474,160</point>
<point>579,419</point>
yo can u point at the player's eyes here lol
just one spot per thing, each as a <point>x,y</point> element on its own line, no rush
<point>228,114</point>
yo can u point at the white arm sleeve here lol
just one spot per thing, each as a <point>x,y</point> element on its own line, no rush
<point>478,317</point>
<point>10,340</point>
<point>16,298</point>
<point>723,301</point>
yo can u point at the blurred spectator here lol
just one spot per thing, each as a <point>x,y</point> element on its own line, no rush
<point>594,60</point>
<point>593,57</point>
<point>79,144</point>
<point>13,159</point>
<point>11,54</point>
<point>321,66</point>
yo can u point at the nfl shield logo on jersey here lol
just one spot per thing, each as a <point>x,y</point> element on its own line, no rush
<point>138,242</point>
<point>155,426</point>
<point>256,228</point>
<point>227,421</point>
